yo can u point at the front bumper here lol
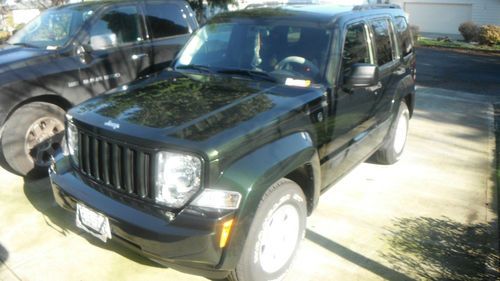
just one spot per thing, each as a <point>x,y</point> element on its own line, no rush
<point>188,243</point>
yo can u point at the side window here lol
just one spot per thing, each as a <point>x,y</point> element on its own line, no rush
<point>118,26</point>
<point>166,20</point>
<point>404,36</point>
<point>382,38</point>
<point>356,47</point>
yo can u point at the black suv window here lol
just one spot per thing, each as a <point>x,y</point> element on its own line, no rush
<point>166,20</point>
<point>382,37</point>
<point>119,25</point>
<point>356,47</point>
<point>404,36</point>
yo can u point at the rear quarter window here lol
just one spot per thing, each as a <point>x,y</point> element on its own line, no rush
<point>166,20</point>
<point>404,35</point>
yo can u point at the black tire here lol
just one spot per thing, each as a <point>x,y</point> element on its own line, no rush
<point>397,136</point>
<point>31,135</point>
<point>282,197</point>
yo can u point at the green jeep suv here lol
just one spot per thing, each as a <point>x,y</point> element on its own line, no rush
<point>212,166</point>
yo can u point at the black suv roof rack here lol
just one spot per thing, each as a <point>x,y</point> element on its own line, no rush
<point>375,6</point>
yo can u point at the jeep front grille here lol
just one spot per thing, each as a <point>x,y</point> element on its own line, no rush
<point>116,166</point>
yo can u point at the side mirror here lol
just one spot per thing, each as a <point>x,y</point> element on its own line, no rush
<point>361,75</point>
<point>83,52</point>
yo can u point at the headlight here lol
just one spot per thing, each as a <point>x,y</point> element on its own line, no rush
<point>72,141</point>
<point>178,178</point>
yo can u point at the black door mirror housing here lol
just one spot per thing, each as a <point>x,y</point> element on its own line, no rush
<point>361,75</point>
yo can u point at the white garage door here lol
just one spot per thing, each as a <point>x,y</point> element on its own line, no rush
<point>439,18</point>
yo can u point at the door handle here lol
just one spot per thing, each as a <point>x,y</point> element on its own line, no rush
<point>374,88</point>
<point>138,56</point>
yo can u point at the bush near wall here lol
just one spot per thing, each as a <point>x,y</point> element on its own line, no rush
<point>470,31</point>
<point>489,35</point>
<point>4,35</point>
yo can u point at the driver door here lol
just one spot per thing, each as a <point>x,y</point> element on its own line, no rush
<point>118,53</point>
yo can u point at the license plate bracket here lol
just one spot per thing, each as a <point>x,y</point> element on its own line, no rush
<point>93,222</point>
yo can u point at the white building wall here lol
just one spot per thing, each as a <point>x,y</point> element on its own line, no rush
<point>482,12</point>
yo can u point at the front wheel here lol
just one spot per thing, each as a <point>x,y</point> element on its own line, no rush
<point>276,232</point>
<point>394,146</point>
<point>31,136</point>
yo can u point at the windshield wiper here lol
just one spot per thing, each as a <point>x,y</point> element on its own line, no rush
<point>251,73</point>
<point>25,45</point>
<point>201,68</point>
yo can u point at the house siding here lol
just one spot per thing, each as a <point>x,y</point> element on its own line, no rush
<point>483,11</point>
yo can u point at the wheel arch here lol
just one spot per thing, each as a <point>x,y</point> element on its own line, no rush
<point>52,99</point>
<point>293,157</point>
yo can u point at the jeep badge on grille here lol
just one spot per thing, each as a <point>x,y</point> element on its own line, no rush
<point>111,124</point>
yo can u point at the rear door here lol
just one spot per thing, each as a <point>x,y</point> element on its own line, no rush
<point>389,63</point>
<point>119,53</point>
<point>169,27</point>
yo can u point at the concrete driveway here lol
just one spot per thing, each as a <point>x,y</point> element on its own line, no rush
<point>432,216</point>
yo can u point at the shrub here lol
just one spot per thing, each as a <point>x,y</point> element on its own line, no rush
<point>489,35</point>
<point>469,30</point>
<point>4,35</point>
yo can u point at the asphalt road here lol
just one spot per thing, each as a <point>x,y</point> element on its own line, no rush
<point>473,73</point>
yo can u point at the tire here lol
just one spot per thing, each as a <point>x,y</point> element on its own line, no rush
<point>282,211</point>
<point>31,136</point>
<point>393,148</point>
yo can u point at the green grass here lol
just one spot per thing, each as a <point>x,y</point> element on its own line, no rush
<point>426,42</point>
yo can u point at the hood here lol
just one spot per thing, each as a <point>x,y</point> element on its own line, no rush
<point>190,107</point>
<point>12,57</point>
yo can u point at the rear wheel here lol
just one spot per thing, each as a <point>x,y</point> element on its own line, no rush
<point>31,136</point>
<point>393,148</point>
<point>275,234</point>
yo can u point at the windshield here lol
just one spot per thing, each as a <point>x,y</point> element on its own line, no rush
<point>52,29</point>
<point>282,50</point>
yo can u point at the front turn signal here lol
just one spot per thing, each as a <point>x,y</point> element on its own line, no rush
<point>226,231</point>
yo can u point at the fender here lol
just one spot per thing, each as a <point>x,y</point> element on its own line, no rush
<point>252,176</point>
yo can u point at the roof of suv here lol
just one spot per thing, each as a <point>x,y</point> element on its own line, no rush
<point>101,3</point>
<point>325,13</point>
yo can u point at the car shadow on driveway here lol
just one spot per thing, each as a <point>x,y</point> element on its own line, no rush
<point>39,194</point>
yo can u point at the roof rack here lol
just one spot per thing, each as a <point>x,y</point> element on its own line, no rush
<point>375,6</point>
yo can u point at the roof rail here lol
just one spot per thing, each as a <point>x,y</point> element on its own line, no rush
<point>375,6</point>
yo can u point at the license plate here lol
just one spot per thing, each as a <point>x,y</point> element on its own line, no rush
<point>93,222</point>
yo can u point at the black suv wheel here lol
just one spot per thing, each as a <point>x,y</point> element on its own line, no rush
<point>31,136</point>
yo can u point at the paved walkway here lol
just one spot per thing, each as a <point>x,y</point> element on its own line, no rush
<point>432,216</point>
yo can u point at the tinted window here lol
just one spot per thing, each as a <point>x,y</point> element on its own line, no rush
<point>356,49</point>
<point>117,26</point>
<point>382,39</point>
<point>404,36</point>
<point>166,20</point>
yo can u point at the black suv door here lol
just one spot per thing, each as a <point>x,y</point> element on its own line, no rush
<point>119,52</point>
<point>169,27</point>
